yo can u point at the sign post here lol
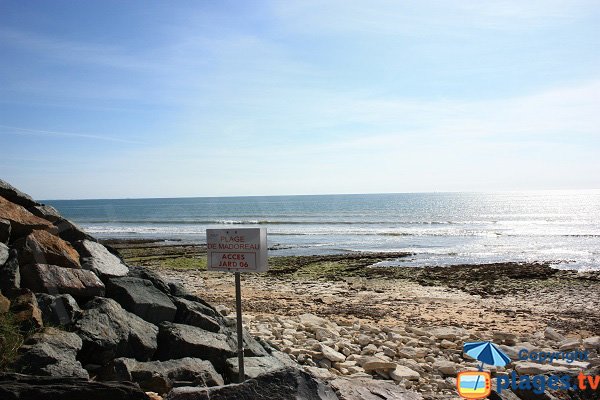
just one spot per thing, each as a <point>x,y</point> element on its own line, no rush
<point>237,250</point>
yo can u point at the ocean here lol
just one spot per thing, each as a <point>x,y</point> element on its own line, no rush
<point>562,227</point>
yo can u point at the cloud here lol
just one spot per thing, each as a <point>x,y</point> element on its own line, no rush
<point>13,130</point>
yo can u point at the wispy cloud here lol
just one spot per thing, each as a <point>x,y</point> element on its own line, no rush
<point>13,130</point>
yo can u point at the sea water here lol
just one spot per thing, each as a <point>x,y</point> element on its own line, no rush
<point>562,227</point>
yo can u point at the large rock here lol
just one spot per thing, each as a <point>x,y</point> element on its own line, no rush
<point>57,280</point>
<point>160,377</point>
<point>149,275</point>
<point>26,387</point>
<point>10,275</point>
<point>97,258</point>
<point>285,384</point>
<point>51,353</point>
<point>196,314</point>
<point>42,247</point>
<point>14,195</point>
<point>22,222</point>
<point>142,298</point>
<point>402,373</point>
<point>25,308</point>
<point>47,212</point>
<point>4,252</point>
<point>70,232</point>
<point>180,341</point>
<point>371,389</point>
<point>4,231</point>
<point>254,367</point>
<point>108,332</point>
<point>61,310</point>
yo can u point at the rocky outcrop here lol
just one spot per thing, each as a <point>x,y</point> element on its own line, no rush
<point>97,258</point>
<point>160,377</point>
<point>109,332</point>
<point>142,298</point>
<point>27,387</point>
<point>44,278</point>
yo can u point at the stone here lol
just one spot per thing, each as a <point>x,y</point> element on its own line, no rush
<point>196,314</point>
<point>452,333</point>
<point>531,368</point>
<point>97,258</point>
<point>331,354</point>
<point>47,212</point>
<point>180,341</point>
<point>14,195</point>
<point>4,253</point>
<point>570,344</point>
<point>52,279</point>
<point>254,367</point>
<point>27,387</point>
<point>507,338</point>
<point>70,232</point>
<point>108,332</point>
<point>592,342</point>
<point>374,363</point>
<point>142,298</point>
<point>552,334</point>
<point>446,368</point>
<point>283,384</point>
<point>42,247</point>
<point>51,353</point>
<point>446,344</point>
<point>252,348</point>
<point>4,304</point>
<point>22,222</point>
<point>402,373</point>
<point>10,275</point>
<point>61,310</point>
<point>149,275</point>
<point>371,389</point>
<point>161,376</point>
<point>26,311</point>
<point>311,321</point>
<point>4,231</point>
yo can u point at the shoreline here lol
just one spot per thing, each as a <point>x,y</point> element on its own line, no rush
<point>363,309</point>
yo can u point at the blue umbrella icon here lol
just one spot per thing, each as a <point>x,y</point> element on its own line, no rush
<point>487,353</point>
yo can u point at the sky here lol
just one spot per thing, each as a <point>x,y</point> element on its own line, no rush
<point>119,99</point>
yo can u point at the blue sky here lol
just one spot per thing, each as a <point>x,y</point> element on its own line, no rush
<point>110,99</point>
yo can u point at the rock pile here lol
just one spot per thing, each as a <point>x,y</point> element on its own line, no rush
<point>94,317</point>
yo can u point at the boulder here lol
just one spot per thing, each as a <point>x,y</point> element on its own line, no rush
<point>553,334</point>
<point>371,389</point>
<point>70,232</point>
<point>25,308</point>
<point>180,341</point>
<point>4,304</point>
<point>160,377</point>
<point>61,310</point>
<point>22,222</point>
<point>53,279</point>
<point>4,252</point>
<point>4,231</point>
<point>149,275</point>
<point>142,298</point>
<point>252,348</point>
<point>331,354</point>
<point>373,363</point>
<point>14,195</point>
<point>445,367</point>
<point>97,258</point>
<point>592,342</point>
<point>402,373</point>
<point>47,212</point>
<point>10,276</point>
<point>45,248</point>
<point>278,385</point>
<point>26,387</point>
<point>196,314</point>
<point>254,367</point>
<point>108,332</point>
<point>51,353</point>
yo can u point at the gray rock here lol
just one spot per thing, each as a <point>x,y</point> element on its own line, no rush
<point>10,275</point>
<point>14,195</point>
<point>45,211</point>
<point>51,353</point>
<point>4,252</point>
<point>149,275</point>
<point>285,384</point>
<point>108,332</point>
<point>254,367</point>
<point>60,310</point>
<point>180,341</point>
<point>26,387</point>
<point>252,348</point>
<point>70,232</point>
<point>142,298</point>
<point>552,334</point>
<point>53,279</point>
<point>97,258</point>
<point>160,377</point>
<point>371,389</point>
<point>196,314</point>
<point>4,231</point>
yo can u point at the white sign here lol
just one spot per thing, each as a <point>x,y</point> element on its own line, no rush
<point>237,250</point>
